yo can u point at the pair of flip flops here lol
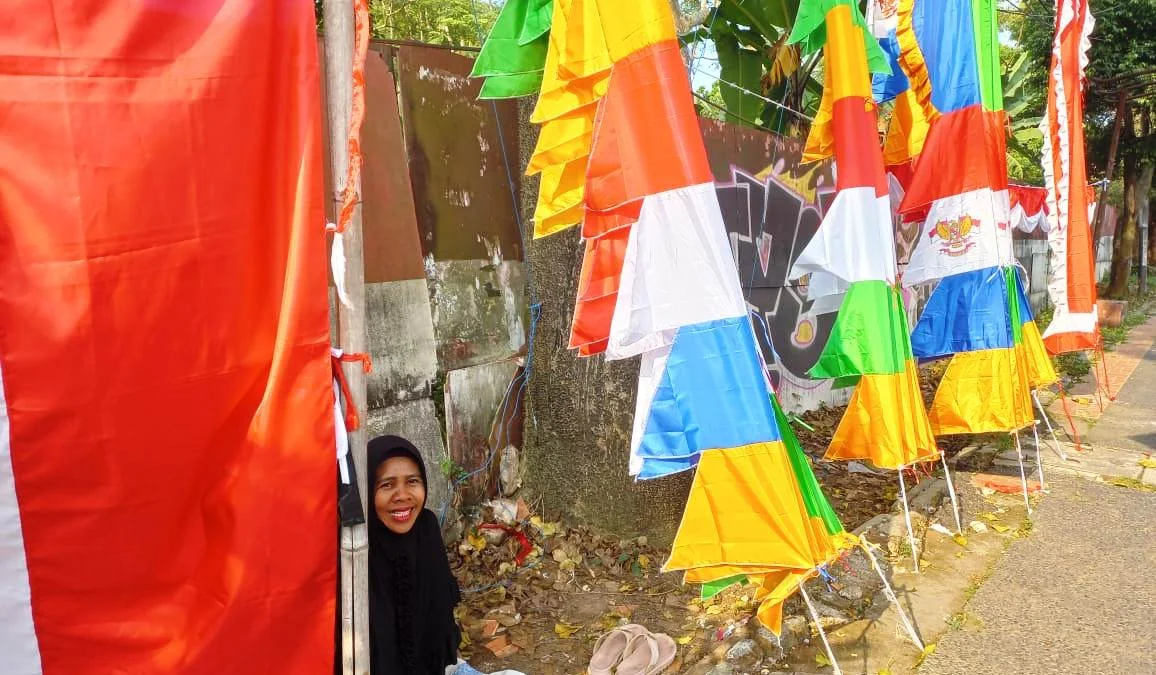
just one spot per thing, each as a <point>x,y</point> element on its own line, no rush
<point>632,650</point>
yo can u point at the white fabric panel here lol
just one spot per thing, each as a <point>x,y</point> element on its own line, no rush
<point>987,244</point>
<point>1064,321</point>
<point>650,373</point>
<point>1029,223</point>
<point>19,650</point>
<point>856,242</point>
<point>678,271</point>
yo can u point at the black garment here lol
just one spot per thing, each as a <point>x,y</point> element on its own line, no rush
<point>412,593</point>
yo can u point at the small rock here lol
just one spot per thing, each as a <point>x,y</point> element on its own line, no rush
<point>795,631</point>
<point>770,643</point>
<point>851,591</point>
<point>977,527</point>
<point>745,655</point>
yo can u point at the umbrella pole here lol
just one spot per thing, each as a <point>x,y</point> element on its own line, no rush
<point>890,592</point>
<point>1023,477</point>
<point>951,493</point>
<point>907,516</point>
<point>822,633</point>
<point>1051,430</point>
<point>1039,460</point>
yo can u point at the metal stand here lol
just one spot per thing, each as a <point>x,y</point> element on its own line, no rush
<point>822,633</point>
<point>907,516</point>
<point>890,592</point>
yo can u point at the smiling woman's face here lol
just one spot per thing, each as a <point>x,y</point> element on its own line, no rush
<point>398,494</point>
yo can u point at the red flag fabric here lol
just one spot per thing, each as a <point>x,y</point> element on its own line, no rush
<point>1075,323</point>
<point>167,409</point>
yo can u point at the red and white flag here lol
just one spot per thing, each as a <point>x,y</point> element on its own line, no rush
<point>167,468</point>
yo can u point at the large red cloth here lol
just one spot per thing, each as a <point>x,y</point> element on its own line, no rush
<point>164,335</point>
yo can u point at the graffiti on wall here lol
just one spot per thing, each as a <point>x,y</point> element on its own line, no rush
<point>771,215</point>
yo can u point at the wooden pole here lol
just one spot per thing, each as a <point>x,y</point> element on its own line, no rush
<point>1101,207</point>
<point>351,337</point>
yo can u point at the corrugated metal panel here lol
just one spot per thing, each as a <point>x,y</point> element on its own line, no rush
<point>392,245</point>
<point>461,178</point>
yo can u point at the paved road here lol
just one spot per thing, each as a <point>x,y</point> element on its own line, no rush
<point>1078,595</point>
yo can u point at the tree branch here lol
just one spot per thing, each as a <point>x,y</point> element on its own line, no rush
<point>685,23</point>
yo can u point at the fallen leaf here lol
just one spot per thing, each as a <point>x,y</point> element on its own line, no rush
<point>989,517</point>
<point>1148,463</point>
<point>644,560</point>
<point>475,541</point>
<point>714,609</point>
<point>565,630</point>
<point>1000,528</point>
<point>821,659</point>
<point>928,650</point>
<point>684,640</point>
<point>960,539</point>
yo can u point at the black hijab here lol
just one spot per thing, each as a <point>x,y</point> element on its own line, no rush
<point>412,593</point>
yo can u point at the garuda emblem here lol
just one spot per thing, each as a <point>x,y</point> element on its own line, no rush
<point>955,236</point>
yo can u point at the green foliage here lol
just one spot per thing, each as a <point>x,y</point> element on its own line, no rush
<point>446,22</point>
<point>443,22</point>
<point>1073,364</point>
<point>1123,41</point>
<point>711,104</point>
<point>756,64</point>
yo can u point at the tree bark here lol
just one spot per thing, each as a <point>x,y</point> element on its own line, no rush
<point>1143,194</point>
<point>1101,204</point>
<point>1124,244</point>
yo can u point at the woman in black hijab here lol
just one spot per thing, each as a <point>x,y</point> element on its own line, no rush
<point>412,593</point>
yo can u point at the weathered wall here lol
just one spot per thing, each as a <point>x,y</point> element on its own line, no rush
<point>461,158</point>
<point>443,259</point>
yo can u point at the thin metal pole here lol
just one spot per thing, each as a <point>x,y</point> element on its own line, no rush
<point>822,633</point>
<point>1039,460</point>
<point>907,516</point>
<point>1023,478</point>
<point>338,39</point>
<point>890,593</point>
<point>1051,430</point>
<point>951,493</point>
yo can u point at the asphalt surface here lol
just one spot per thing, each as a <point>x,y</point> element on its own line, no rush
<point>1077,595</point>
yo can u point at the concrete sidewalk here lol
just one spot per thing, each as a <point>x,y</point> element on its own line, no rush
<point>1077,595</point>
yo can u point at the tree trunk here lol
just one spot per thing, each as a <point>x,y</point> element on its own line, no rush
<point>1124,245</point>
<point>1143,195</point>
<point>580,411</point>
